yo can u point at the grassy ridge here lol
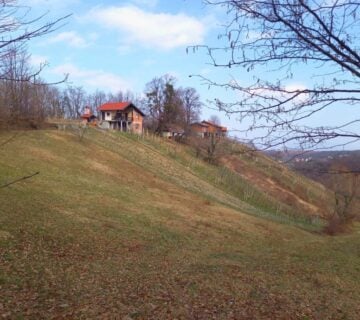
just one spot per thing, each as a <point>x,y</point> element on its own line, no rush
<point>185,170</point>
<point>114,227</point>
<point>255,200</point>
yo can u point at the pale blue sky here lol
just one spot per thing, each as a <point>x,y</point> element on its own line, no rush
<point>119,45</point>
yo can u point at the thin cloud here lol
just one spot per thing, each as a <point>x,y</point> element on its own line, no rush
<point>156,30</point>
<point>97,79</point>
<point>72,38</point>
<point>38,60</point>
<point>50,4</point>
<point>147,3</point>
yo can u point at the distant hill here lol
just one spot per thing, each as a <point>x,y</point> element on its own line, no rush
<point>121,226</point>
<point>296,158</point>
<point>336,170</point>
<point>317,164</point>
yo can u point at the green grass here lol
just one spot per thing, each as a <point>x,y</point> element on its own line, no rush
<point>116,227</point>
<point>253,200</point>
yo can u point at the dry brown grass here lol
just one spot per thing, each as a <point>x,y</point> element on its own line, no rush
<point>285,186</point>
<point>336,225</point>
<point>81,242</point>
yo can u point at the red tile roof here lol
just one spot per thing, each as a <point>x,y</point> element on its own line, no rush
<point>119,106</point>
<point>114,106</point>
<point>200,124</point>
<point>209,123</point>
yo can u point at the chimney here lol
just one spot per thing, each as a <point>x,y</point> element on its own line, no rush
<point>87,110</point>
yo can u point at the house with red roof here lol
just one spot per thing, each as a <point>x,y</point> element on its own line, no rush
<point>87,116</point>
<point>206,129</point>
<point>122,116</point>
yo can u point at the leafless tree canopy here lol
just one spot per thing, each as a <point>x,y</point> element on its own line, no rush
<point>17,28</point>
<point>191,105</point>
<point>168,105</point>
<point>23,95</point>
<point>284,36</point>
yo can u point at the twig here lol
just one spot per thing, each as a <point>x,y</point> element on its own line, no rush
<point>20,179</point>
<point>10,139</point>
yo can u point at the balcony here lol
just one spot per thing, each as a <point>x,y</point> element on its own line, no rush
<point>123,117</point>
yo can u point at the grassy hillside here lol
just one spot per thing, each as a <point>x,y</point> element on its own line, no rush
<point>286,191</point>
<point>115,226</point>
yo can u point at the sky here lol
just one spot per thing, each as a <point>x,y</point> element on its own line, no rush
<point>121,45</point>
<point>114,45</point>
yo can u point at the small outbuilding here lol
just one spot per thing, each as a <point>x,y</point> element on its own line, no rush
<point>87,117</point>
<point>173,132</point>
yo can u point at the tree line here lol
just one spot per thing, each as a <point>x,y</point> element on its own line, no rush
<point>22,91</point>
<point>26,98</point>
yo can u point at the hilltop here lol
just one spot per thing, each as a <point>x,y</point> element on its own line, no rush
<point>118,225</point>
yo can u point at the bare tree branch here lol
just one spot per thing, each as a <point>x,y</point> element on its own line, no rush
<point>281,35</point>
<point>16,30</point>
<point>13,137</point>
<point>18,180</point>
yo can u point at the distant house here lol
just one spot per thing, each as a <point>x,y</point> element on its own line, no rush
<point>172,132</point>
<point>122,116</point>
<point>207,128</point>
<point>88,117</point>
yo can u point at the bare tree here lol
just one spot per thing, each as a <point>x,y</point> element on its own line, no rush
<point>346,187</point>
<point>162,101</point>
<point>345,196</point>
<point>22,90</point>
<point>74,99</point>
<point>168,105</point>
<point>210,149</point>
<point>154,92</point>
<point>21,100</point>
<point>52,100</point>
<point>95,100</point>
<point>191,105</point>
<point>16,29</point>
<point>285,36</point>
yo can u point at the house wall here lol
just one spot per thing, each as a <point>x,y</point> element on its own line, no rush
<point>213,129</point>
<point>166,134</point>
<point>137,122</point>
<point>109,115</point>
<point>198,129</point>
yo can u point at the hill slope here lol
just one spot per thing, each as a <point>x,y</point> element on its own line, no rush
<point>119,226</point>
